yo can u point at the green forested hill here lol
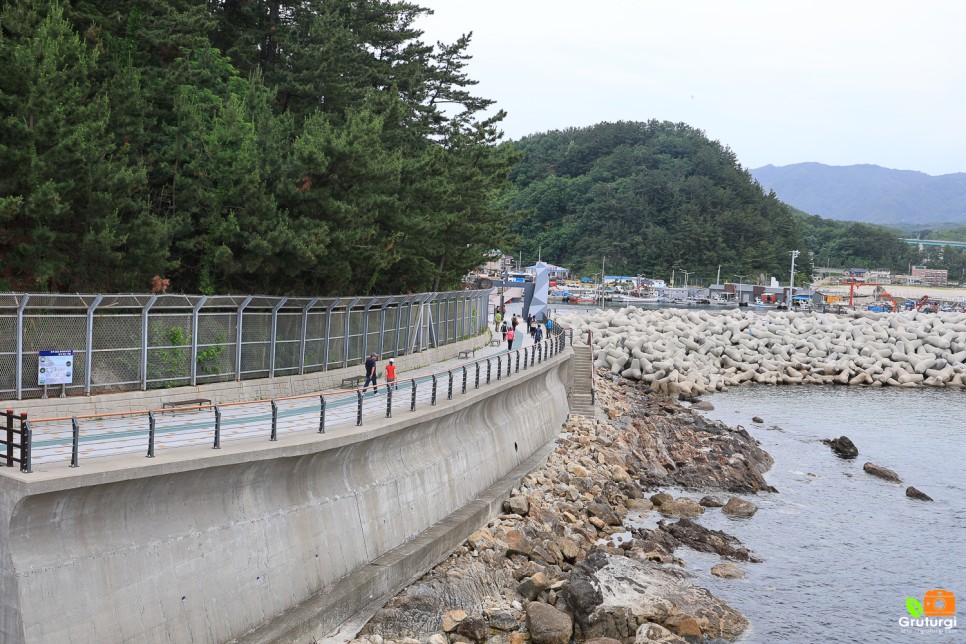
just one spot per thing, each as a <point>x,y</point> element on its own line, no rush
<point>656,196</point>
<point>312,147</point>
<point>650,197</point>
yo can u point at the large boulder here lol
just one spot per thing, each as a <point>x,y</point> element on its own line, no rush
<point>547,625</point>
<point>842,446</point>
<point>682,507</point>
<point>739,507</point>
<point>882,473</point>
<point>650,633</point>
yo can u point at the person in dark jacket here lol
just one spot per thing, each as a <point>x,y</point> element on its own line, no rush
<point>370,374</point>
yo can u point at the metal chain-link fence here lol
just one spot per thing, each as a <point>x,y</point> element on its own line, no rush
<point>139,342</point>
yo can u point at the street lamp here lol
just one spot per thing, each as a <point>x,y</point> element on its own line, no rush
<point>791,286</point>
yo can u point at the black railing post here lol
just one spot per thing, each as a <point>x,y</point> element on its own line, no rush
<point>26,444</point>
<point>540,353</point>
<point>321,414</point>
<point>449,388</point>
<point>464,379</point>
<point>359,409</point>
<point>477,385</point>
<point>412,401</point>
<point>533,355</point>
<point>499,367</point>
<point>389,400</point>
<point>151,427</point>
<point>509,364</point>
<point>217,444</point>
<point>488,367</point>
<point>518,361</point>
<point>9,438</point>
<point>432,399</point>
<point>75,440</point>
<point>274,422</point>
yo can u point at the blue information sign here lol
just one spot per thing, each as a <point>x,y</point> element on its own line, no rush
<point>55,368</point>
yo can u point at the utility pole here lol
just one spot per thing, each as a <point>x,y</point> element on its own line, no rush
<point>791,287</point>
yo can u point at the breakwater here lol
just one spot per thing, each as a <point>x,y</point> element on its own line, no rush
<point>681,352</point>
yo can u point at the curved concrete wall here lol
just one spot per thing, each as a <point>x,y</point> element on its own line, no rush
<point>199,545</point>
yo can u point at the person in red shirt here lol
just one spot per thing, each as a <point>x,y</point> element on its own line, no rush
<point>509,338</point>
<point>391,374</point>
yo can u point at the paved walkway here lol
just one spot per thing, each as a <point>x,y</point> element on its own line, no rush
<point>109,436</point>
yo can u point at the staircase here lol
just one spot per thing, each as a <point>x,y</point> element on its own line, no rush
<point>582,382</point>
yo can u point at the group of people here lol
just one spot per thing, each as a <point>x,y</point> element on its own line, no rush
<point>509,329</point>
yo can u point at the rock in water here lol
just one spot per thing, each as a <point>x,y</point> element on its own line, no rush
<point>913,493</point>
<point>727,571</point>
<point>882,473</point>
<point>842,446</point>
<point>711,502</point>
<point>661,497</point>
<point>547,625</point>
<point>757,419</point>
<point>739,508</point>
<point>703,405</point>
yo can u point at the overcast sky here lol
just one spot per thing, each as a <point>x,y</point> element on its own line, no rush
<point>778,81</point>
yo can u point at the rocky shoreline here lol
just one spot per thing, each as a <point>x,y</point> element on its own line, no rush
<point>565,562</point>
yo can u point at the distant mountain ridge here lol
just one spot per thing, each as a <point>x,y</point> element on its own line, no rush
<point>868,193</point>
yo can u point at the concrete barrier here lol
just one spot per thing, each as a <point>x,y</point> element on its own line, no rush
<point>204,545</point>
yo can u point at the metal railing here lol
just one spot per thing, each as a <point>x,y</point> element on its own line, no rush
<point>140,342</point>
<point>16,452</point>
<point>151,430</point>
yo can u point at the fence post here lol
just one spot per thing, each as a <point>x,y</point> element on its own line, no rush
<point>477,385</point>
<point>328,334</point>
<point>239,329</point>
<point>274,337</point>
<point>412,402</point>
<point>75,440</point>
<point>321,414</point>
<point>305,331</point>
<point>359,409</point>
<point>488,367</point>
<point>9,438</point>
<point>89,346</point>
<point>499,367</point>
<point>217,428</point>
<point>18,373</point>
<point>274,422</point>
<point>388,400</point>
<point>518,361</point>
<point>464,379</point>
<point>26,445</point>
<point>449,390</point>
<point>540,353</point>
<point>151,427</point>
<point>432,400</point>
<point>194,339</point>
<point>144,342</point>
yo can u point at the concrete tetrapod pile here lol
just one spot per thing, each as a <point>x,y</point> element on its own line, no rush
<point>685,352</point>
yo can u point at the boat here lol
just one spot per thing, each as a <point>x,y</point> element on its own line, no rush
<point>637,299</point>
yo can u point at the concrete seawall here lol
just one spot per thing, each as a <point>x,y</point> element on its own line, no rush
<point>198,545</point>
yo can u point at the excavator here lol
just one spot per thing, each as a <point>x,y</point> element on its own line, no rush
<point>879,290</point>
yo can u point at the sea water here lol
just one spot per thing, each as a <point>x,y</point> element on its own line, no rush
<point>843,550</point>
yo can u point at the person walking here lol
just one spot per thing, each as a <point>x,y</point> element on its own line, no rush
<point>530,325</point>
<point>537,334</point>
<point>497,318</point>
<point>503,329</point>
<point>391,374</point>
<point>510,334</point>
<point>370,374</point>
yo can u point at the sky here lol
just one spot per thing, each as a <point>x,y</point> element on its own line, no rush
<point>777,81</point>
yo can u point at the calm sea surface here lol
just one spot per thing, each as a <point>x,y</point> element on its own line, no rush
<point>843,550</point>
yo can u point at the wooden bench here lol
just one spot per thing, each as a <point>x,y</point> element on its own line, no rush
<point>353,381</point>
<point>185,403</point>
<point>466,353</point>
<point>495,343</point>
